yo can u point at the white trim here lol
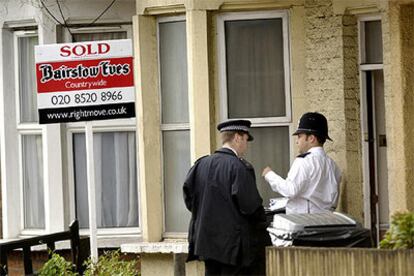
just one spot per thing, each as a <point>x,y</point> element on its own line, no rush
<point>169,19</point>
<point>98,29</point>
<point>365,152</point>
<point>24,23</point>
<point>171,127</point>
<point>221,64</point>
<point>369,17</point>
<point>32,232</point>
<point>110,231</point>
<point>364,69</point>
<point>361,38</point>
<point>71,174</point>
<point>106,124</point>
<point>106,241</point>
<point>20,177</point>
<point>292,143</point>
<point>24,230</point>
<point>165,247</point>
<point>371,67</point>
<point>27,128</point>
<point>175,235</point>
<point>115,28</point>
<point>16,36</point>
<point>221,53</point>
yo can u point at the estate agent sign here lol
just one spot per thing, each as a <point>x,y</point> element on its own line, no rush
<point>85,81</point>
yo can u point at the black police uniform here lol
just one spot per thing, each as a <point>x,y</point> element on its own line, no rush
<point>228,224</point>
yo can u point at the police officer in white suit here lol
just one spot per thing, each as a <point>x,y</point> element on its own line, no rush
<point>312,184</point>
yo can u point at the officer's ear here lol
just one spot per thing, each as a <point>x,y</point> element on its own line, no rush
<point>312,138</point>
<point>237,137</point>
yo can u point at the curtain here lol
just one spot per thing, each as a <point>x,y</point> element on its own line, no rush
<point>174,110</point>
<point>173,67</point>
<point>255,68</point>
<point>270,147</point>
<point>98,36</point>
<point>373,42</point>
<point>33,196</point>
<point>27,79</point>
<point>176,153</point>
<point>115,177</point>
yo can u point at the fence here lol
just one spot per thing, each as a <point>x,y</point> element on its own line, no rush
<point>79,248</point>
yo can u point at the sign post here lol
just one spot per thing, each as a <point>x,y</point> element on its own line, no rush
<point>91,187</point>
<point>84,82</point>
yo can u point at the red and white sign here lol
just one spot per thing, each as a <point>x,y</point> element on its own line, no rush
<point>85,81</point>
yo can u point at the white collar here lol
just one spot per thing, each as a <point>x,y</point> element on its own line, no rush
<point>317,150</point>
<point>230,148</point>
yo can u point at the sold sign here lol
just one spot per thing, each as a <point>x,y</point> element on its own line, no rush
<point>80,50</point>
<point>85,81</point>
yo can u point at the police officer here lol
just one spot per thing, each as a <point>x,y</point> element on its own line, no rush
<point>228,224</point>
<point>312,184</point>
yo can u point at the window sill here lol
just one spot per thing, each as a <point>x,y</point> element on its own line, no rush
<point>103,242</point>
<point>166,247</point>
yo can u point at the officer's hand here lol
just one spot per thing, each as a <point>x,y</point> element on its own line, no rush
<point>266,170</point>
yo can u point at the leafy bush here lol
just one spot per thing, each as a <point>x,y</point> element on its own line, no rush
<point>401,233</point>
<point>57,265</point>
<point>110,263</point>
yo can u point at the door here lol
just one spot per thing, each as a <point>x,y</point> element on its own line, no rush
<point>375,145</point>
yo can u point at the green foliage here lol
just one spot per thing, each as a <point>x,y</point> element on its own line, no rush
<point>401,233</point>
<point>58,266</point>
<point>110,263</point>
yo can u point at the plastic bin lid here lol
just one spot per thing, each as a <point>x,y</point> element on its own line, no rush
<point>299,222</point>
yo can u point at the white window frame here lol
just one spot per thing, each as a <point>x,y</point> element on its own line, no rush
<point>127,124</point>
<point>127,28</point>
<point>31,128</point>
<point>361,38</point>
<point>222,69</point>
<point>282,121</point>
<point>168,127</point>
<point>363,69</point>
<point>24,231</point>
<point>12,180</point>
<point>16,36</point>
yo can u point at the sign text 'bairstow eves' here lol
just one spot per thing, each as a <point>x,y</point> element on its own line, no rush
<point>85,81</point>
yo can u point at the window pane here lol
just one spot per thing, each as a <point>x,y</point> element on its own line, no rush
<point>270,147</point>
<point>99,36</point>
<point>33,197</point>
<point>255,68</point>
<point>115,177</point>
<point>176,164</point>
<point>373,42</point>
<point>173,67</point>
<point>27,79</point>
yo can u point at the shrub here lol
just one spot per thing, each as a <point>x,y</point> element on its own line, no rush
<point>401,233</point>
<point>57,265</point>
<point>110,263</point>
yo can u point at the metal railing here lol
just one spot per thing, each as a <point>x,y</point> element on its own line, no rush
<point>79,248</point>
